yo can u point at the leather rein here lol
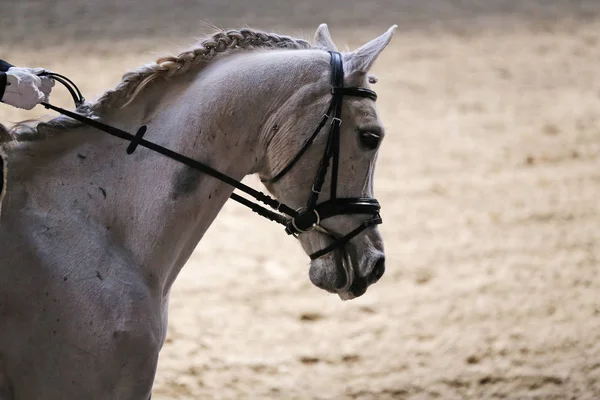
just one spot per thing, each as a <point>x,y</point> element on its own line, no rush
<point>295,221</point>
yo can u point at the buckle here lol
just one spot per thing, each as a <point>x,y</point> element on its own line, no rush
<point>313,226</point>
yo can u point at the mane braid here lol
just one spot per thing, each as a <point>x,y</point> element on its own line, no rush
<point>166,67</point>
<point>134,82</point>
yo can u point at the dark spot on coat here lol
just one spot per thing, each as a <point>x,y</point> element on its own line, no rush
<point>197,137</point>
<point>186,181</point>
<point>81,156</point>
<point>65,279</point>
<point>99,275</point>
<point>103,191</point>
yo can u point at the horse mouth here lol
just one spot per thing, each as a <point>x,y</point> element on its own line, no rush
<point>357,289</point>
<point>357,285</point>
<point>341,274</point>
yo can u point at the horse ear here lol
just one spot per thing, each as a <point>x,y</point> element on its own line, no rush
<point>363,58</point>
<point>323,38</point>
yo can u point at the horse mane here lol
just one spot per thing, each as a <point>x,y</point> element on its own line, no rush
<point>133,82</point>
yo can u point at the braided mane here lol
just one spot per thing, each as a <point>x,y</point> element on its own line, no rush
<point>166,67</point>
<point>134,82</point>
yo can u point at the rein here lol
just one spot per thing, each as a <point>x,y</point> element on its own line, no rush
<point>296,222</point>
<point>138,140</point>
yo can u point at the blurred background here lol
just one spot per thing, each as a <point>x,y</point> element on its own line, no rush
<point>489,178</point>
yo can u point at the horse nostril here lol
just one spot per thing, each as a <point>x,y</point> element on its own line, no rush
<point>378,271</point>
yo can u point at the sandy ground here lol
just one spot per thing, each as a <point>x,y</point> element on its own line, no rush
<point>490,183</point>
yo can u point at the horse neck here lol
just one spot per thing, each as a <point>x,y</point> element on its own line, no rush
<point>153,207</point>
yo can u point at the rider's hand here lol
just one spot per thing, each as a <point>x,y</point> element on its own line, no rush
<point>25,89</point>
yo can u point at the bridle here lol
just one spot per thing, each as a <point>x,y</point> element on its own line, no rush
<point>296,221</point>
<point>310,217</point>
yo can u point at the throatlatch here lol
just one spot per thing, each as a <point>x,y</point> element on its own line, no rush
<point>296,222</point>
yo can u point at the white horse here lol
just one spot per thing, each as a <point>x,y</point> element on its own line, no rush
<point>92,239</point>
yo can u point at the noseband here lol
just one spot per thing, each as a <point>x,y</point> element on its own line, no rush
<point>296,221</point>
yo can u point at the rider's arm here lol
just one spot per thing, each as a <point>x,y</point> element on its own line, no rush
<point>4,66</point>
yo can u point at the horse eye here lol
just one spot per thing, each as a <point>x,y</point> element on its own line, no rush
<point>370,140</point>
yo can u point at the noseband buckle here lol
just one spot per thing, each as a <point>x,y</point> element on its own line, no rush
<point>308,221</point>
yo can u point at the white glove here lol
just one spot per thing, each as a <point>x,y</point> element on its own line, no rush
<point>25,89</point>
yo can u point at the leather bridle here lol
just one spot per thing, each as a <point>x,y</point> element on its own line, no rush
<point>313,214</point>
<point>296,221</point>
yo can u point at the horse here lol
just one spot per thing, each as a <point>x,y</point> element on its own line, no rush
<point>92,239</point>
